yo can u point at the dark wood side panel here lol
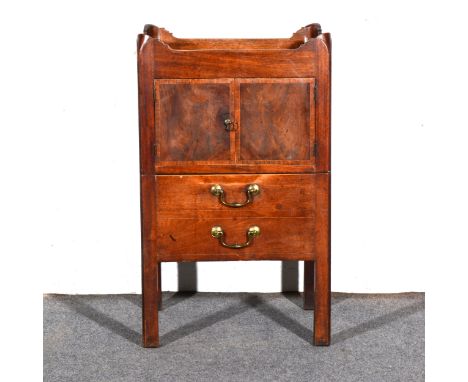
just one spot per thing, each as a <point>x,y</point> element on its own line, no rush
<point>276,119</point>
<point>145,102</point>
<point>189,196</point>
<point>190,118</point>
<point>190,239</point>
<point>323,161</point>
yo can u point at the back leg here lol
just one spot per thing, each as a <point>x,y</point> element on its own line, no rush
<point>309,285</point>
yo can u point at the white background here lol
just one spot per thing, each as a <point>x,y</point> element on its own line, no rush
<point>69,209</point>
<point>76,166</point>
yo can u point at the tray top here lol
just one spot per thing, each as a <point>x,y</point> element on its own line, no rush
<point>298,39</point>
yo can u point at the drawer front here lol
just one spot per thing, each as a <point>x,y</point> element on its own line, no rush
<point>190,196</point>
<point>291,211</point>
<point>190,239</point>
<point>180,211</point>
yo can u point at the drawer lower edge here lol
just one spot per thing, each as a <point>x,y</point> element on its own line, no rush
<point>191,240</point>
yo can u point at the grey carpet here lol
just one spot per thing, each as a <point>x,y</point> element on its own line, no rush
<point>234,337</point>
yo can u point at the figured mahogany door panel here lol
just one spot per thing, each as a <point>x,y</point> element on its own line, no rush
<point>190,117</point>
<point>279,195</point>
<point>277,119</point>
<point>191,239</point>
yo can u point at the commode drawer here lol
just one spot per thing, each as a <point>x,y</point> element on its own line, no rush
<point>235,217</point>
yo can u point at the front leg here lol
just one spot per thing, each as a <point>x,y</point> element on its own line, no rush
<point>322,302</point>
<point>322,264</point>
<point>151,295</point>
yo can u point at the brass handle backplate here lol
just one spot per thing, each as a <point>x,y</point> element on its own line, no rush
<point>251,190</point>
<point>218,233</point>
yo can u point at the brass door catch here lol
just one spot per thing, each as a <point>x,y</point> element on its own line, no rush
<point>229,125</point>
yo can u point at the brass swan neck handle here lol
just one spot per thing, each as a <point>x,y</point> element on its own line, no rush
<point>251,191</point>
<point>218,233</point>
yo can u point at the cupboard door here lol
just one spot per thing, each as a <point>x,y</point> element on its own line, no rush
<point>277,119</point>
<point>190,117</point>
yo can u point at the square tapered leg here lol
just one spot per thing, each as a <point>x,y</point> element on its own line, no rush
<point>322,265</point>
<point>322,303</point>
<point>151,295</point>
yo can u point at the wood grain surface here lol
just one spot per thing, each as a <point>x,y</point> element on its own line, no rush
<point>190,239</point>
<point>188,196</point>
<point>190,120</point>
<point>276,119</point>
<point>226,63</point>
<point>273,124</point>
